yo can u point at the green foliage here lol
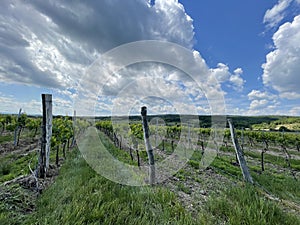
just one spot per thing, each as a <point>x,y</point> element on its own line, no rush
<point>136,130</point>
<point>281,123</point>
<point>11,126</point>
<point>21,121</point>
<point>33,124</point>
<point>62,131</point>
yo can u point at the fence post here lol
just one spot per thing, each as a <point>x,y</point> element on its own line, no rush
<point>17,129</point>
<point>239,154</point>
<point>46,135</point>
<point>73,143</point>
<point>149,148</point>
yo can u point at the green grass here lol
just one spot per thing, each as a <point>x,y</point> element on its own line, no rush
<point>280,185</point>
<point>276,160</point>
<point>243,205</point>
<point>167,147</point>
<point>121,155</point>
<point>224,165</point>
<point>80,196</point>
<point>227,149</point>
<point>15,204</point>
<point>6,138</point>
<point>13,165</point>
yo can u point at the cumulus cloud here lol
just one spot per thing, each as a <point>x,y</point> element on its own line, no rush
<point>281,70</point>
<point>180,79</point>
<point>256,94</point>
<point>50,43</point>
<point>223,74</point>
<point>276,14</point>
<point>262,102</point>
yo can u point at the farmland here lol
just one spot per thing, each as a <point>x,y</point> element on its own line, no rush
<point>73,193</point>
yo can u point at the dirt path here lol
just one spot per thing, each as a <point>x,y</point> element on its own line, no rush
<point>25,146</point>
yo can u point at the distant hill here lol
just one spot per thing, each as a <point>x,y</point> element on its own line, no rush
<point>256,122</point>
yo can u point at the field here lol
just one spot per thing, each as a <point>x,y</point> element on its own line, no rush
<point>73,193</point>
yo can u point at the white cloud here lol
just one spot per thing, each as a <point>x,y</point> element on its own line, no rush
<point>295,111</point>
<point>258,104</point>
<point>256,94</point>
<point>50,43</point>
<point>30,107</point>
<point>281,70</point>
<point>223,75</point>
<point>262,103</point>
<point>276,14</point>
<point>60,105</point>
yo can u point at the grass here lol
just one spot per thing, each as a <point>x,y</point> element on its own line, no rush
<point>225,166</point>
<point>15,204</point>
<point>6,138</point>
<point>276,160</point>
<point>282,185</point>
<point>13,165</point>
<point>167,147</point>
<point>25,134</point>
<point>80,196</point>
<point>243,205</point>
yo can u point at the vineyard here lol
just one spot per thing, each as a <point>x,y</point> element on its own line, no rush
<point>71,192</point>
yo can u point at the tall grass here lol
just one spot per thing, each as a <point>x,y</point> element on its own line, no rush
<point>245,206</point>
<point>80,196</point>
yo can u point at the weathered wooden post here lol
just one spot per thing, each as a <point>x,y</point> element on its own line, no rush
<point>148,145</point>
<point>17,129</point>
<point>73,142</point>
<point>239,154</point>
<point>46,135</point>
<point>242,139</point>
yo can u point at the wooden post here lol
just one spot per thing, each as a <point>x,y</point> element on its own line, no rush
<point>73,143</point>
<point>148,145</point>
<point>46,135</point>
<point>156,141</point>
<point>242,145</point>
<point>240,155</point>
<point>17,129</point>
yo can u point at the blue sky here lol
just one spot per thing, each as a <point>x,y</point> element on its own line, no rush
<point>251,47</point>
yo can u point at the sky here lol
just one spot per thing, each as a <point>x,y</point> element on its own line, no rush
<point>240,57</point>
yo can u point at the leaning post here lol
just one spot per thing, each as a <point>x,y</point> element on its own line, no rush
<point>240,155</point>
